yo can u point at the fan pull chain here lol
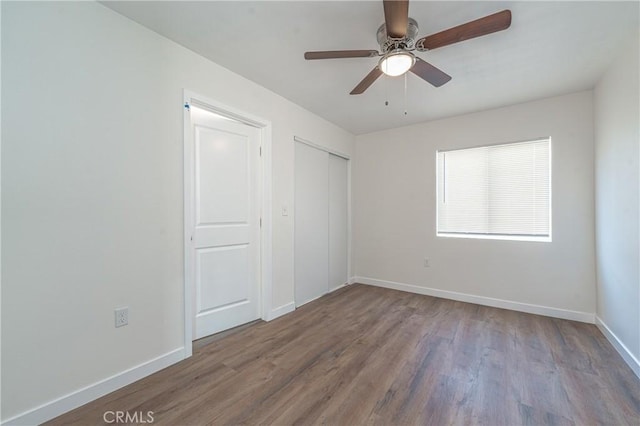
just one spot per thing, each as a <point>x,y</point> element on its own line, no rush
<point>386,89</point>
<point>405,93</point>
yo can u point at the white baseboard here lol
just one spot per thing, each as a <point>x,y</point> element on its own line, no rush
<point>352,280</point>
<point>482,300</point>
<point>94,391</point>
<point>291,306</point>
<point>622,349</point>
<point>338,287</point>
<point>280,311</point>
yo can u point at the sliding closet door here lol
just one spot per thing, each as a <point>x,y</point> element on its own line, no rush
<point>311,223</point>
<point>338,221</point>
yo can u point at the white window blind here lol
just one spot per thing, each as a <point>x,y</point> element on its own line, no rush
<point>497,191</point>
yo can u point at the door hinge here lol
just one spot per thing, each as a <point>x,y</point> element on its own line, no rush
<point>260,222</point>
<point>260,150</point>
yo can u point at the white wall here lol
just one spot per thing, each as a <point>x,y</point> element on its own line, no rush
<point>395,215</point>
<point>617,136</point>
<point>92,192</point>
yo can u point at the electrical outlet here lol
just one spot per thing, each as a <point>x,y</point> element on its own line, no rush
<point>426,262</point>
<point>122,316</point>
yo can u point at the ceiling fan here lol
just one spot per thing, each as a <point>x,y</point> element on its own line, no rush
<point>397,40</point>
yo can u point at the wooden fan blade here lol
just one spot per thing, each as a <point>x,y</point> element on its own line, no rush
<point>396,17</point>
<point>483,26</point>
<point>338,54</point>
<point>429,73</point>
<point>367,81</point>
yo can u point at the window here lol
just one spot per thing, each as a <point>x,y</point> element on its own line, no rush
<point>499,191</point>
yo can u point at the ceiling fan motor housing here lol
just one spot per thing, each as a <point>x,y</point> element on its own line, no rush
<point>388,44</point>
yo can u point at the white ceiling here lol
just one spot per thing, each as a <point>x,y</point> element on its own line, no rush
<point>551,48</point>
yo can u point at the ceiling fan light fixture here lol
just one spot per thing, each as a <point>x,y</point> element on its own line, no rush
<point>397,62</point>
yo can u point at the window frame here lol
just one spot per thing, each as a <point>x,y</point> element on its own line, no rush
<point>489,236</point>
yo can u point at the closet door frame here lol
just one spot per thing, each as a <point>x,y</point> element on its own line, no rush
<point>349,216</point>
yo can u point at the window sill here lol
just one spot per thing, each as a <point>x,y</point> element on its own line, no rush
<point>531,238</point>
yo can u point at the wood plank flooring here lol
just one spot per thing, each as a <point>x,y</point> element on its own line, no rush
<point>367,355</point>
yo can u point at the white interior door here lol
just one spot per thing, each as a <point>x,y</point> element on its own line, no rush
<point>226,222</point>
<point>338,221</point>
<point>311,223</point>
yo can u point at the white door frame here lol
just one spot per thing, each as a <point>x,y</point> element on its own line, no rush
<point>264,126</point>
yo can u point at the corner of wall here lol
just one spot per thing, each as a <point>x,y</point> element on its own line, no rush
<point>617,205</point>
